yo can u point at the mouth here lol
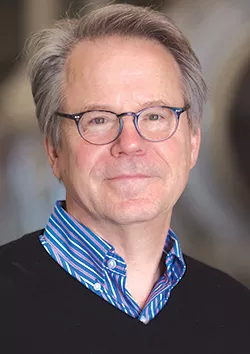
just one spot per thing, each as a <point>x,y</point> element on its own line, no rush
<point>129,177</point>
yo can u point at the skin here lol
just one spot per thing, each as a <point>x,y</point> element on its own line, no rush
<point>125,191</point>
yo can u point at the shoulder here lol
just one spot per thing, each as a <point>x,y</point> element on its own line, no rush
<point>211,279</point>
<point>13,248</point>
<point>214,295</point>
<point>17,256</point>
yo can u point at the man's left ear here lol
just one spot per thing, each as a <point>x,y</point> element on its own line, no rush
<point>195,146</point>
<point>52,157</point>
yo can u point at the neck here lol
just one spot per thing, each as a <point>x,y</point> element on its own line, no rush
<point>141,246</point>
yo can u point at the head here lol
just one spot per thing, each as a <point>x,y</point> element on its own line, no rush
<point>119,58</point>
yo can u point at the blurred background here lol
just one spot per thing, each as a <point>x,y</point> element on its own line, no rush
<point>212,217</point>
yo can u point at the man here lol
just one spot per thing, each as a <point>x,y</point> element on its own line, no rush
<point>118,96</point>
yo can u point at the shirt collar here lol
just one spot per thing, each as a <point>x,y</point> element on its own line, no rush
<point>65,225</point>
<point>77,236</point>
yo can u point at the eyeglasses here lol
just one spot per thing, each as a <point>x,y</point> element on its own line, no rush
<point>100,127</point>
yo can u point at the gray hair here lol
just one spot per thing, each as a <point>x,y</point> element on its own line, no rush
<point>50,48</point>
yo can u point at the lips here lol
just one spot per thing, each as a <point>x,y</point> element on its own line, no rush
<point>124,177</point>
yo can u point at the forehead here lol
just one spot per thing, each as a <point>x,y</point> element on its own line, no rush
<point>117,68</point>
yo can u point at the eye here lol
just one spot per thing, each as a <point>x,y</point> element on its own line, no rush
<point>98,120</point>
<point>154,116</point>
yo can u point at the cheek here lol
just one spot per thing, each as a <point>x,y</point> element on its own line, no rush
<point>69,159</point>
<point>87,159</point>
<point>177,155</point>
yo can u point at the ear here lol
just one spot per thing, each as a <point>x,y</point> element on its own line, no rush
<point>195,146</point>
<point>52,157</point>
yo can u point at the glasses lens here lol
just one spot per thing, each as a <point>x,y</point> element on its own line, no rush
<point>157,123</point>
<point>99,127</point>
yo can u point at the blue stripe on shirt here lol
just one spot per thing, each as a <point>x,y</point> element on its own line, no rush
<point>93,262</point>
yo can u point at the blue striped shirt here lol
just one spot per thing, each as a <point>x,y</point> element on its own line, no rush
<point>94,263</point>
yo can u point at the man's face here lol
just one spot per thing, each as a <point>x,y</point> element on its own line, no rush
<point>129,180</point>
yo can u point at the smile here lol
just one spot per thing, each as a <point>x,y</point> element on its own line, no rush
<point>128,177</point>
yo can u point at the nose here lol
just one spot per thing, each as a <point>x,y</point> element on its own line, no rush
<point>129,142</point>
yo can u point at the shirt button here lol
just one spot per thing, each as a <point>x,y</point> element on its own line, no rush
<point>143,319</point>
<point>111,263</point>
<point>97,286</point>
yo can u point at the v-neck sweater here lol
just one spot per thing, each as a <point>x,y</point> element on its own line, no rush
<point>46,310</point>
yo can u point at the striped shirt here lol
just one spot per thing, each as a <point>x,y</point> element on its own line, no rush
<point>93,262</point>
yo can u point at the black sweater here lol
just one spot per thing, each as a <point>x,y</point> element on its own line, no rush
<point>45,310</point>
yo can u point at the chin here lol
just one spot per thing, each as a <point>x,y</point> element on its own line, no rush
<point>134,211</point>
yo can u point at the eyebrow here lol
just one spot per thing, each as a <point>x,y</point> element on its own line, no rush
<point>90,107</point>
<point>156,103</point>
